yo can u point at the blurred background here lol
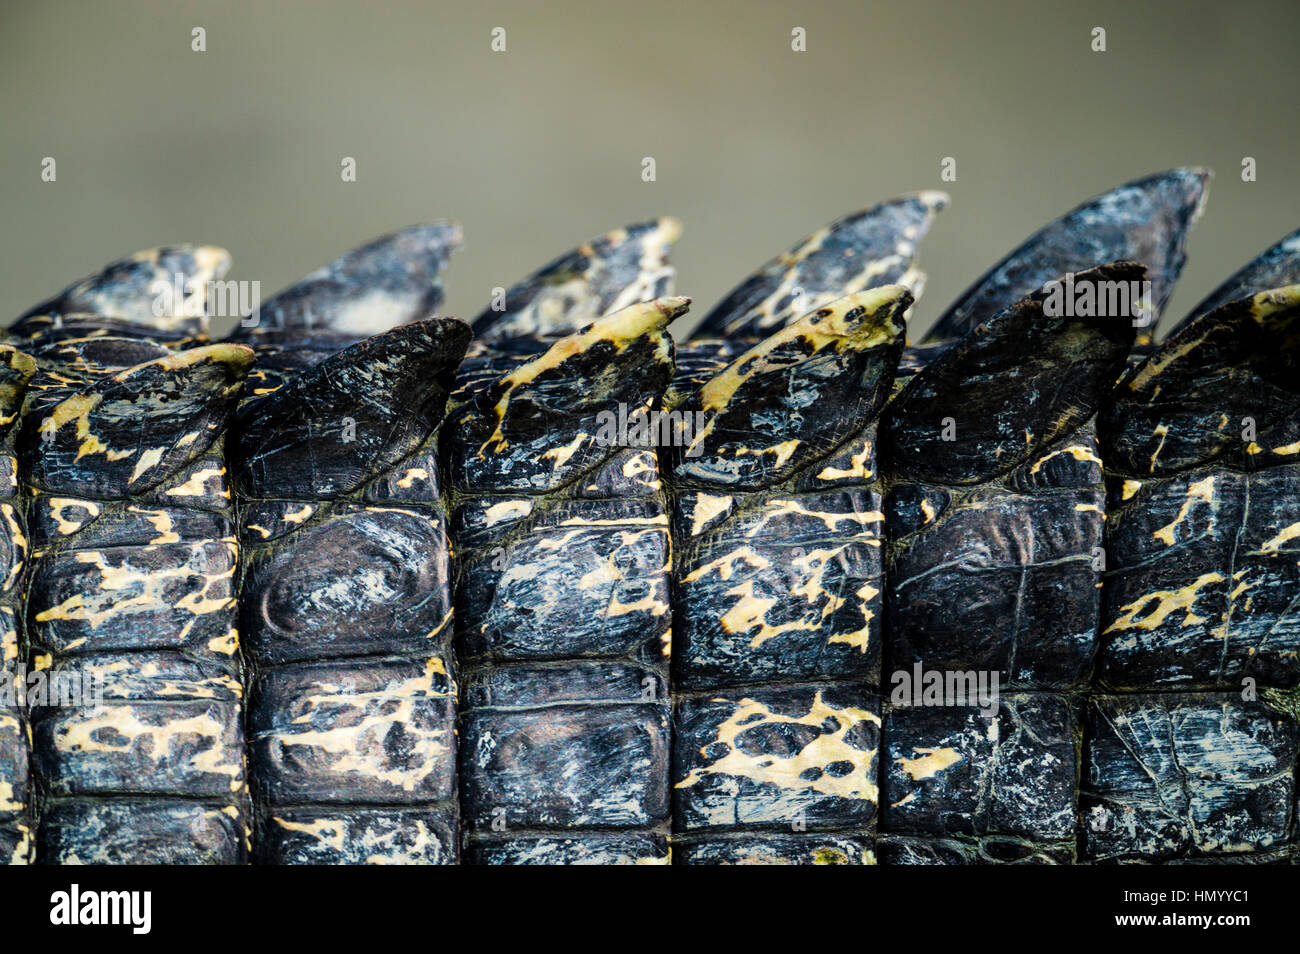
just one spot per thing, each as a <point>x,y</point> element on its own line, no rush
<point>538,148</point>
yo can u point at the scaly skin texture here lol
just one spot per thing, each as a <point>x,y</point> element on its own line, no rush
<point>868,249</point>
<point>392,280</point>
<point>778,588</point>
<point>132,584</point>
<point>127,294</point>
<point>1149,719</point>
<point>344,598</point>
<point>563,621</point>
<point>16,790</point>
<point>1275,267</point>
<point>345,605</point>
<point>607,274</point>
<point>994,509</point>
<point>1200,593</point>
<point>618,269</point>
<point>131,566</point>
<point>1200,444</point>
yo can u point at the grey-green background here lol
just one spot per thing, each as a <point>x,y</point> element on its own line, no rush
<point>540,147</point>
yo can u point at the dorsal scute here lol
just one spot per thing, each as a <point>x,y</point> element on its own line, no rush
<point>866,249</point>
<point>794,396</point>
<point>127,431</point>
<point>390,281</point>
<point>350,417</point>
<point>1144,221</point>
<point>606,274</point>
<point>1226,387</point>
<point>543,424</point>
<point>162,291</point>
<point>1016,384</point>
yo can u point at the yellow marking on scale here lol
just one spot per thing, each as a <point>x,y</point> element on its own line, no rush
<point>407,480</point>
<point>857,468</point>
<point>620,329</point>
<point>299,515</point>
<point>114,729</point>
<point>1202,490</point>
<point>356,745</point>
<point>929,763</point>
<point>840,326</point>
<point>194,486</point>
<point>1166,603</point>
<point>707,506</point>
<point>786,771</point>
<point>562,455</point>
<point>67,527</point>
<point>1077,451</point>
<point>1285,535</point>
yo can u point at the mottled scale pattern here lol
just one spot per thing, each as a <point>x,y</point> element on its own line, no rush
<point>675,644</point>
<point>995,511</point>
<point>345,604</point>
<point>618,269</point>
<point>778,590</point>
<point>563,620</point>
<point>131,602</point>
<point>1189,775</point>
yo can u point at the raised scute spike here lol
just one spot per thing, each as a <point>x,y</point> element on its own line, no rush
<point>131,430</point>
<point>350,417</point>
<point>853,323</point>
<point>1186,404</point>
<point>605,275</point>
<point>390,281</point>
<point>537,427</point>
<point>1009,389</point>
<point>1145,221</point>
<point>139,289</point>
<point>794,396</point>
<point>1275,267</point>
<point>869,248</point>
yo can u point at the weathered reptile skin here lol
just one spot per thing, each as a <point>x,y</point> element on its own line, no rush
<point>1143,221</point>
<point>344,599</point>
<point>993,523</point>
<point>133,566</point>
<point>682,646</point>
<point>16,789</point>
<point>1197,754</point>
<point>778,588</point>
<point>562,608</point>
<point>868,249</point>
